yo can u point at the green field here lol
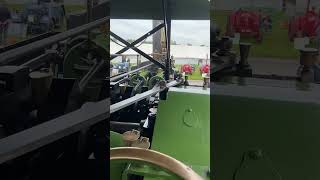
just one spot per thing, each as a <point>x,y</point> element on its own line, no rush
<point>196,75</point>
<point>102,40</point>
<point>275,44</point>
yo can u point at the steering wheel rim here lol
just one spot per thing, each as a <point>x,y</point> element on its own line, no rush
<point>156,158</point>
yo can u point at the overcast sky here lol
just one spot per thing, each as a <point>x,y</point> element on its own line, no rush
<point>183,32</point>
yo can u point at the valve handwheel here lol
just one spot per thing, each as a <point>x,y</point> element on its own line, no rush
<point>156,158</point>
<point>153,81</point>
<point>135,79</point>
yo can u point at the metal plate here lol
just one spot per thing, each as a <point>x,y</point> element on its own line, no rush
<point>184,134</point>
<point>145,9</point>
<point>274,118</point>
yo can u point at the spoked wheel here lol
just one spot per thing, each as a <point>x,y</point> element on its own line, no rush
<point>153,81</point>
<point>79,61</point>
<point>158,159</point>
<point>137,81</point>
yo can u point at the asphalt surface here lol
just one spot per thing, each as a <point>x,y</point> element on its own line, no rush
<point>268,66</point>
<point>195,82</point>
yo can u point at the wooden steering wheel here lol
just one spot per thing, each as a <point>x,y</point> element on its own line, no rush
<point>155,158</point>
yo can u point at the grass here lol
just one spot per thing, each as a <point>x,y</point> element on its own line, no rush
<point>275,44</point>
<point>196,75</point>
<point>102,41</point>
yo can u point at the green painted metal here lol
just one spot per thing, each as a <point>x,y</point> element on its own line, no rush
<point>103,41</point>
<point>182,131</point>
<point>154,80</point>
<point>241,81</point>
<point>266,131</point>
<point>116,168</point>
<point>182,128</point>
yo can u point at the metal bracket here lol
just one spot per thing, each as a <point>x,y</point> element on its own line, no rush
<point>137,50</point>
<point>138,97</point>
<point>167,22</point>
<point>167,25</point>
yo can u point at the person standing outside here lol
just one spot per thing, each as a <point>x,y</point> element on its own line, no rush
<point>5,15</point>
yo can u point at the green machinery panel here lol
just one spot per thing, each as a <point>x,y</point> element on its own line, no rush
<point>182,131</point>
<point>266,131</point>
<point>182,128</point>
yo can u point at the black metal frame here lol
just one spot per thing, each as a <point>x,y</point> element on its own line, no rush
<point>145,36</point>
<point>137,50</point>
<point>14,54</point>
<point>167,26</point>
<point>91,113</point>
<point>167,21</point>
<point>38,136</point>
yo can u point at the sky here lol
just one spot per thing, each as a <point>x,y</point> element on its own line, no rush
<point>183,31</point>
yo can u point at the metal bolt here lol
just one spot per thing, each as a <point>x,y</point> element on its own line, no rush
<point>255,154</point>
<point>208,173</point>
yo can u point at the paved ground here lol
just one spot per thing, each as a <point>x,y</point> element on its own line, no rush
<point>267,66</point>
<point>195,82</point>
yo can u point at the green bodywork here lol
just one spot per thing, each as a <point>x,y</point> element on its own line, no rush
<point>182,131</point>
<point>266,130</point>
<point>103,41</point>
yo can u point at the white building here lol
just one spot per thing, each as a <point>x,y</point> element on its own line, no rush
<point>182,54</point>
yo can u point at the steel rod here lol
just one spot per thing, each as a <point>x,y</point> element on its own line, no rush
<point>22,51</point>
<point>114,78</point>
<point>137,50</point>
<point>125,103</point>
<point>85,80</point>
<point>157,28</point>
<point>167,32</point>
